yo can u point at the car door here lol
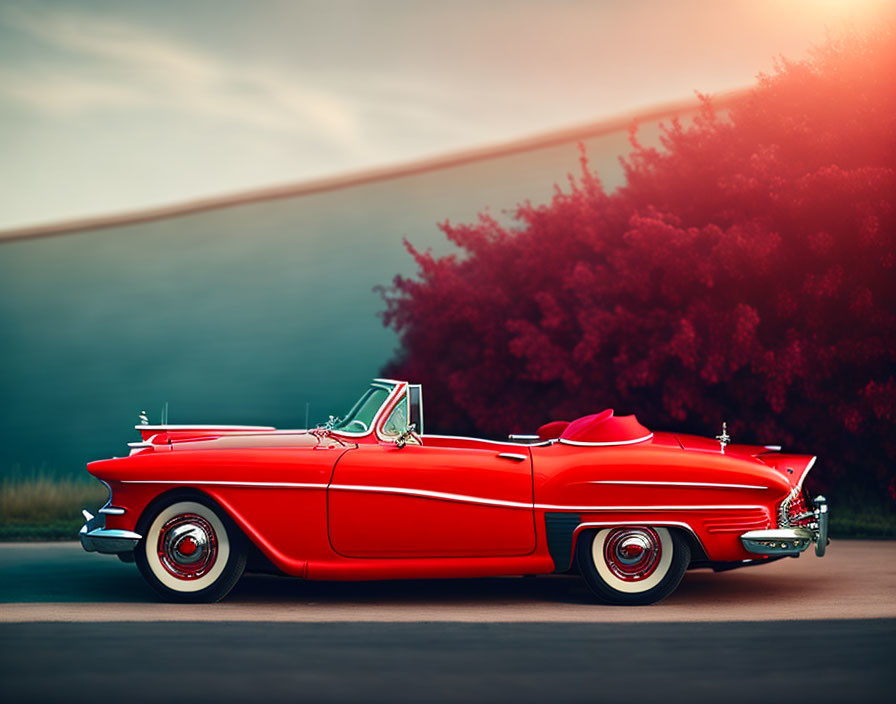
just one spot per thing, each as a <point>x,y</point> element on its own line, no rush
<point>432,500</point>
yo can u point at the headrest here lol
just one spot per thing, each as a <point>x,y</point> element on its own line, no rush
<point>605,428</point>
<point>581,427</point>
<point>552,430</point>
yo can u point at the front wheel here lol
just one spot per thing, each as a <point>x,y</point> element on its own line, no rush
<point>191,551</point>
<point>632,565</point>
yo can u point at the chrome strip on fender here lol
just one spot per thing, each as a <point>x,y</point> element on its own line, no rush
<point>424,493</point>
<point>677,524</point>
<point>200,482</point>
<point>587,509</point>
<point>700,484</point>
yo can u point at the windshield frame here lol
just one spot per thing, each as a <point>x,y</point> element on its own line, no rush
<point>388,385</point>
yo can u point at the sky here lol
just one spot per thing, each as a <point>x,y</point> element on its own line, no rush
<point>107,107</point>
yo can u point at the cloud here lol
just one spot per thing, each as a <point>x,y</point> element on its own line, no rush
<point>115,65</point>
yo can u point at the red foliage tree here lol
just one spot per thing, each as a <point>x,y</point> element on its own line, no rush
<point>747,272</point>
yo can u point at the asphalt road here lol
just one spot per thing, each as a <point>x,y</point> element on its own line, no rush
<point>60,582</point>
<point>842,661</point>
<point>78,627</point>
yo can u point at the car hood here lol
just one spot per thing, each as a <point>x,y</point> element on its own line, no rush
<point>208,437</point>
<point>277,438</point>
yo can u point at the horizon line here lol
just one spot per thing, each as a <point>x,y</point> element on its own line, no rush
<point>540,140</point>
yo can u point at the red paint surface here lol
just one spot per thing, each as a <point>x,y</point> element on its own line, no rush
<point>332,507</point>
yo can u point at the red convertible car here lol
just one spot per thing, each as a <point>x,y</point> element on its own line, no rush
<point>370,496</point>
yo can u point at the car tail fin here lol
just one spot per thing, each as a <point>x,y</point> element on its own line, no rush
<point>793,467</point>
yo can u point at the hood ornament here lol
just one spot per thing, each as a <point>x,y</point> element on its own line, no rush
<point>724,438</point>
<point>144,419</point>
<point>322,430</point>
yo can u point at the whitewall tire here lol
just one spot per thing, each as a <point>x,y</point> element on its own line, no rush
<point>632,565</point>
<point>191,551</point>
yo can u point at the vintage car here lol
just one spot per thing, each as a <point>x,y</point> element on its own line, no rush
<point>370,496</point>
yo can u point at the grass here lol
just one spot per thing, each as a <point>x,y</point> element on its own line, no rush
<point>44,507</point>
<point>41,506</point>
<point>851,523</point>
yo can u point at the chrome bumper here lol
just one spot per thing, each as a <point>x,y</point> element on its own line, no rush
<point>792,541</point>
<point>95,537</point>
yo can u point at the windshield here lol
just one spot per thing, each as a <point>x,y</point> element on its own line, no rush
<point>360,417</point>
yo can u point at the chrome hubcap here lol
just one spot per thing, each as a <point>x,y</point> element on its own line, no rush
<point>632,554</point>
<point>631,550</point>
<point>188,546</point>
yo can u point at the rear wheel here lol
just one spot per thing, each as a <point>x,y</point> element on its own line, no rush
<point>191,551</point>
<point>632,565</point>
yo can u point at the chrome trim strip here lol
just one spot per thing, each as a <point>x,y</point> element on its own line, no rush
<point>711,485</point>
<point>378,421</point>
<point>106,505</point>
<point>773,448</point>
<point>677,524</point>
<point>422,426</point>
<point>423,493</point>
<point>142,445</point>
<point>512,456</point>
<point>199,482</point>
<point>503,443</point>
<point>342,487</point>
<point>419,388</point>
<point>113,533</point>
<point>523,437</point>
<point>113,510</point>
<point>588,509</point>
<point>564,441</point>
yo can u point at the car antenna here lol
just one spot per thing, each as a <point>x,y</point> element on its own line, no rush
<point>165,414</point>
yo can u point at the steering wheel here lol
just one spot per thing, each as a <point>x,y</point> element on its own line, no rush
<point>359,422</point>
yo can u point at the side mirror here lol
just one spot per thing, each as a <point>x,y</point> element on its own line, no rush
<point>406,436</point>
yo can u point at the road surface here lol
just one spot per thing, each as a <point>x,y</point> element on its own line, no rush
<point>60,582</point>
<point>76,628</point>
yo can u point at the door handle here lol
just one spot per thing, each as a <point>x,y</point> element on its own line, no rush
<point>512,456</point>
